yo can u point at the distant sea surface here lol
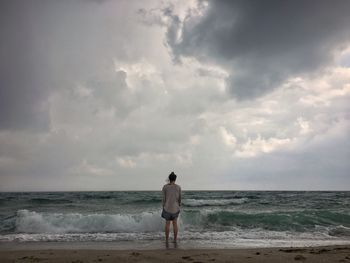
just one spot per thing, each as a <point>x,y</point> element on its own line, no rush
<point>207,218</point>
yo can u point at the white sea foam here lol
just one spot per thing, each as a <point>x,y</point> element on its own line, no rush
<point>33,222</point>
<point>235,238</point>
<point>213,202</point>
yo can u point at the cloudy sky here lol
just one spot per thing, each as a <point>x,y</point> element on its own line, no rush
<point>114,95</point>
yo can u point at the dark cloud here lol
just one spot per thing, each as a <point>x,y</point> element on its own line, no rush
<point>50,45</point>
<point>262,43</point>
<point>22,88</point>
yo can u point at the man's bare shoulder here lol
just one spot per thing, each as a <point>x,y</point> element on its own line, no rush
<point>171,185</point>
<point>164,186</point>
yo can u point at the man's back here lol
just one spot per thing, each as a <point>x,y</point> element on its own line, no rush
<point>171,198</point>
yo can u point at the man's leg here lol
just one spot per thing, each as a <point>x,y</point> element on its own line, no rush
<point>175,229</point>
<point>167,229</point>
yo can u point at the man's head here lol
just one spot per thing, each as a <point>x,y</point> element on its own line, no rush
<point>172,177</point>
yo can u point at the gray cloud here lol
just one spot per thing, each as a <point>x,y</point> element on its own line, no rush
<point>22,89</point>
<point>113,93</point>
<point>319,164</point>
<point>261,43</point>
<point>54,45</point>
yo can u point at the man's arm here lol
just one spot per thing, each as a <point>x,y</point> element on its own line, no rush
<point>163,197</point>
<point>179,196</point>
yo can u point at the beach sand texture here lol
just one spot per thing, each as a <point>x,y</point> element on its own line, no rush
<point>309,254</point>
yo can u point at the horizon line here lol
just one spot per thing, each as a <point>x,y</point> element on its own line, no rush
<point>187,190</point>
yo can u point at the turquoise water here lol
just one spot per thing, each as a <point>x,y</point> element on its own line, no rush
<point>239,218</point>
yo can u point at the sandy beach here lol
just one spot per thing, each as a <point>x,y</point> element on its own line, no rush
<point>302,254</point>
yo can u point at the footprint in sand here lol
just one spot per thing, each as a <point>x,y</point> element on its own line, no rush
<point>299,257</point>
<point>291,250</point>
<point>33,258</point>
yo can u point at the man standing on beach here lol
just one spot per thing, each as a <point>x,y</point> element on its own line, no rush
<point>171,205</point>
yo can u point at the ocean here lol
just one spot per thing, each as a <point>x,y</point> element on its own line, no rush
<point>208,218</point>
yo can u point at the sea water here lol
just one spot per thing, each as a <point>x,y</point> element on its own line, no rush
<point>207,218</point>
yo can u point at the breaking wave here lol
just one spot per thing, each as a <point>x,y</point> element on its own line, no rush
<point>213,202</point>
<point>333,224</point>
<point>33,222</point>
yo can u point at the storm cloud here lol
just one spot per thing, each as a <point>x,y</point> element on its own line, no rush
<point>48,46</point>
<point>261,43</point>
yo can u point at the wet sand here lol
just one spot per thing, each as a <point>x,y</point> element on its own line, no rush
<point>271,255</point>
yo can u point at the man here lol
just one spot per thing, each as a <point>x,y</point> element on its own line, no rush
<point>171,205</point>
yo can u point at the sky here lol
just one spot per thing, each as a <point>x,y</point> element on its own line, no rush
<point>230,95</point>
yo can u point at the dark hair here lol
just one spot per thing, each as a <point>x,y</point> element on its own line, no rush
<point>172,177</point>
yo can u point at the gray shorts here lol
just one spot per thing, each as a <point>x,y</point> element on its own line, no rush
<point>169,216</point>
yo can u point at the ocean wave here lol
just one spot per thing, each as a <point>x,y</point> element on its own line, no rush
<point>340,231</point>
<point>6,225</point>
<point>121,198</point>
<point>213,202</point>
<point>215,219</point>
<point>33,222</point>
<point>304,220</point>
<point>49,201</point>
<point>154,200</point>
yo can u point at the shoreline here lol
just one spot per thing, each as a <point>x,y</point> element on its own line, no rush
<point>334,253</point>
<point>161,244</point>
